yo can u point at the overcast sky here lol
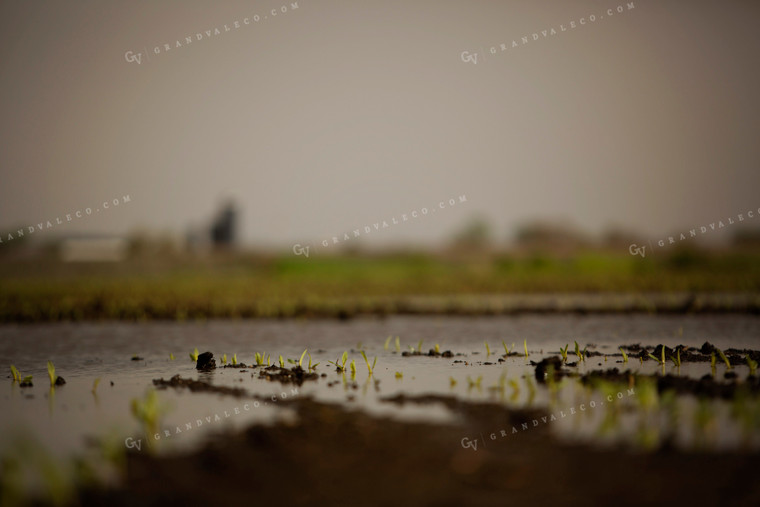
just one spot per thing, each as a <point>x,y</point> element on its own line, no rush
<point>342,113</point>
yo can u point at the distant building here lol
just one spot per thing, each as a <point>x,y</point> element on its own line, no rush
<point>224,228</point>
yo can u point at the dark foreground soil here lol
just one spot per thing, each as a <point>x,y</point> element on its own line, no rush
<point>332,456</point>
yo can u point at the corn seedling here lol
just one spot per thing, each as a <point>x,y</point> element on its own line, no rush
<point>655,359</point>
<point>148,411</point>
<point>399,374</point>
<point>15,373</point>
<point>370,368</point>
<point>712,363</point>
<point>387,342</point>
<point>282,363</point>
<point>259,359</point>
<point>625,356</point>
<point>452,381</point>
<point>300,361</point>
<point>564,352</point>
<point>234,358</point>
<point>677,358</point>
<point>171,356</point>
<point>338,365</point>
<point>525,344</point>
<point>27,380</point>
<point>268,360</point>
<point>515,390</point>
<point>353,367</point>
<point>398,345</point>
<point>474,383</point>
<point>51,373</point>
<point>725,359</point>
<point>488,349</point>
<point>437,349</point>
<point>419,347</point>
<point>506,349</point>
<point>752,365</point>
<point>314,366</point>
<point>194,354</point>
<point>224,358</point>
<point>95,385</point>
<point>578,351</point>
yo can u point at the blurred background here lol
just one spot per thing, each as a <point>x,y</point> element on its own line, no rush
<point>332,116</point>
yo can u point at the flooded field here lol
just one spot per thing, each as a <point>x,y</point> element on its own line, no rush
<point>110,405</point>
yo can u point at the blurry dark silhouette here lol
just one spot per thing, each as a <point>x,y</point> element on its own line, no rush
<point>474,236</point>
<point>224,228</point>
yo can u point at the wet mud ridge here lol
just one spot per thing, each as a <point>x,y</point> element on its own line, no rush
<point>383,461</point>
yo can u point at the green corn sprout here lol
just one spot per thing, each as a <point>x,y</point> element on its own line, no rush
<point>578,351</point>
<point>15,373</point>
<point>452,381</point>
<point>268,360</point>
<point>258,359</point>
<point>506,350</point>
<point>224,358</point>
<point>353,367</point>
<point>311,367</point>
<point>564,353</point>
<point>752,365</point>
<point>282,363</point>
<point>488,349</point>
<point>437,349</point>
<point>194,354</point>
<point>662,352</point>
<point>677,358</point>
<point>51,373</point>
<point>301,359</point>
<point>525,344</point>
<point>625,356</point>
<point>171,356</point>
<point>27,380</point>
<point>655,359</point>
<point>370,368</point>
<point>234,358</point>
<point>725,359</point>
<point>387,342</point>
<point>712,363</point>
<point>419,347</point>
<point>148,411</point>
<point>95,385</point>
<point>474,383</point>
<point>398,345</point>
<point>399,374</point>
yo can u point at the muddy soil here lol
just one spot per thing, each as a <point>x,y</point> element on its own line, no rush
<point>332,456</point>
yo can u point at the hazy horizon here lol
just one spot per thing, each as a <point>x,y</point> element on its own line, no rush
<point>340,114</point>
